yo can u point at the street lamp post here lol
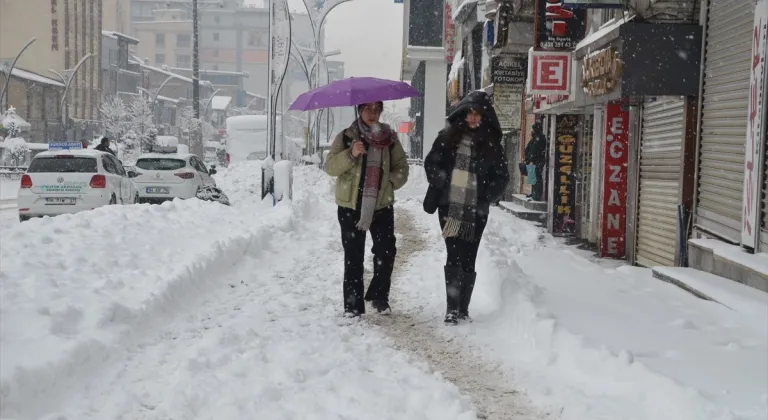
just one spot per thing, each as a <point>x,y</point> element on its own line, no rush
<point>68,82</point>
<point>208,102</point>
<point>10,70</point>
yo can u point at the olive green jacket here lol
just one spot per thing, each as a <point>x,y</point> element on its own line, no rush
<point>348,171</point>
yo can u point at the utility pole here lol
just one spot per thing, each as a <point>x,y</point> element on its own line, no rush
<point>197,148</point>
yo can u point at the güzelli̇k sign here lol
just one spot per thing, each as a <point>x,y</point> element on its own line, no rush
<point>755,132</point>
<point>601,72</point>
<point>613,214</point>
<point>558,28</point>
<point>564,181</point>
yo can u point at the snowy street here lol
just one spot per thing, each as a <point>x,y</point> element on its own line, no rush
<point>193,310</point>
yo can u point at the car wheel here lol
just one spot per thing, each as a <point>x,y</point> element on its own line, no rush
<point>23,218</point>
<point>136,199</point>
<point>113,200</point>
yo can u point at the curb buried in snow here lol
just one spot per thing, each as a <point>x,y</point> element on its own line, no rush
<point>36,382</point>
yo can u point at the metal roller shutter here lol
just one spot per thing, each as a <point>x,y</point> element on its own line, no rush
<point>661,165</point>
<point>724,117</point>
<point>764,206</point>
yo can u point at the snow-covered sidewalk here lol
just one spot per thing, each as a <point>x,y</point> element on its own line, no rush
<point>193,310</point>
<point>589,341</point>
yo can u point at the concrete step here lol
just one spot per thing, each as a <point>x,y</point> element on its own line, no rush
<point>708,286</point>
<point>522,212</point>
<point>522,201</point>
<point>729,261</point>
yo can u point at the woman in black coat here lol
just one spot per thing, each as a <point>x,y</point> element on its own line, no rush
<point>467,171</point>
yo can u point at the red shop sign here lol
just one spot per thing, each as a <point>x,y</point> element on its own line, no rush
<point>613,214</point>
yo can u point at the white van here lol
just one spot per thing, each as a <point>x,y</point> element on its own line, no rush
<point>247,138</point>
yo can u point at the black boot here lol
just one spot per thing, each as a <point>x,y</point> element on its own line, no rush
<point>467,286</point>
<point>452,294</point>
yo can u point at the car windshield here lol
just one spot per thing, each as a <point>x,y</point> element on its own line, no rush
<point>63,164</point>
<point>160,164</point>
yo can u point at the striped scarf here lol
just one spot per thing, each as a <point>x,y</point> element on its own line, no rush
<point>462,207</point>
<point>377,140</point>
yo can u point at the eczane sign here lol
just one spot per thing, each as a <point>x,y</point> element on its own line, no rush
<point>613,214</point>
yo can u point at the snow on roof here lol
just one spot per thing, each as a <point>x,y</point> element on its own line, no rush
<point>166,72</point>
<point>464,5</point>
<point>220,103</point>
<point>255,95</point>
<point>607,28</point>
<point>74,152</point>
<point>164,156</point>
<point>114,34</point>
<point>167,99</point>
<point>34,77</point>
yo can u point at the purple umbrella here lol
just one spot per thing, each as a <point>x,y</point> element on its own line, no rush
<point>352,92</point>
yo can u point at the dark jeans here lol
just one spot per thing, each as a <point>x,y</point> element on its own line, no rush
<point>463,253</point>
<point>384,251</point>
<point>537,190</point>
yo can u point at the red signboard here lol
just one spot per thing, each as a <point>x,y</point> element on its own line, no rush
<point>550,73</point>
<point>449,32</point>
<point>613,214</point>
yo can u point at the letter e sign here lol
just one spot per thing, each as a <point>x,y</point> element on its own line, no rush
<point>551,73</point>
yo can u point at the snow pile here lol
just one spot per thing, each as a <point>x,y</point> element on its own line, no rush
<point>195,310</point>
<point>283,180</point>
<point>594,342</point>
<point>9,188</point>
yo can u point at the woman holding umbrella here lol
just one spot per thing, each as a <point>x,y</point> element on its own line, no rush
<point>370,164</point>
<point>467,171</point>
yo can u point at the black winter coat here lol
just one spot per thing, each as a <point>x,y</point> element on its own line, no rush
<point>536,149</point>
<point>491,164</point>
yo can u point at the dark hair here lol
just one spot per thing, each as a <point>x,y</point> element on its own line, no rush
<point>484,138</point>
<point>104,140</point>
<point>360,107</point>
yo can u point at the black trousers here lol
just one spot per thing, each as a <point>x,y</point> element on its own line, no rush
<point>463,253</point>
<point>384,251</point>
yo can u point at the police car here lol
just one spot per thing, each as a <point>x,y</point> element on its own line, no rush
<point>69,179</point>
<point>166,174</point>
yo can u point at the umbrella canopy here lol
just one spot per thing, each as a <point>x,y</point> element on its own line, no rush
<point>352,92</point>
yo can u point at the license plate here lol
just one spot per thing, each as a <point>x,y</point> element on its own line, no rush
<point>60,201</point>
<point>157,190</point>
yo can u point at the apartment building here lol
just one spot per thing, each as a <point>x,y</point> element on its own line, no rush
<point>66,30</point>
<point>233,37</point>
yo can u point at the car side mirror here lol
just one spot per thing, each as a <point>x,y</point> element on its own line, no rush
<point>132,174</point>
<point>212,171</point>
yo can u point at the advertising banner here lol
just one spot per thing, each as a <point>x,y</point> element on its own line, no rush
<point>549,73</point>
<point>564,179</point>
<point>449,33</point>
<point>755,140</point>
<point>558,28</point>
<point>509,70</point>
<point>613,195</point>
<point>508,102</point>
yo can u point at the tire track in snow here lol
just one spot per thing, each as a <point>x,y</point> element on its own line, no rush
<point>418,331</point>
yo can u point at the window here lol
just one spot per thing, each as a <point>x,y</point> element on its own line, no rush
<point>183,61</point>
<point>159,59</point>
<point>118,165</point>
<point>183,41</point>
<point>160,164</point>
<point>63,163</point>
<point>215,53</point>
<point>109,165</point>
<point>215,66</point>
<point>256,39</point>
<point>199,166</point>
<point>160,40</point>
<point>215,36</point>
<point>217,19</point>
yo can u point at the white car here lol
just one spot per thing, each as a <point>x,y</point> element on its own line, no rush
<point>70,181</point>
<point>164,176</point>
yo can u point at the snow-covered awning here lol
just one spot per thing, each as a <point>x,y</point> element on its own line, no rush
<point>220,103</point>
<point>34,77</point>
<point>462,12</point>
<point>602,32</point>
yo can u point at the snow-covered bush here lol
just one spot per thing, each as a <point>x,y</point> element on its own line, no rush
<point>16,150</point>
